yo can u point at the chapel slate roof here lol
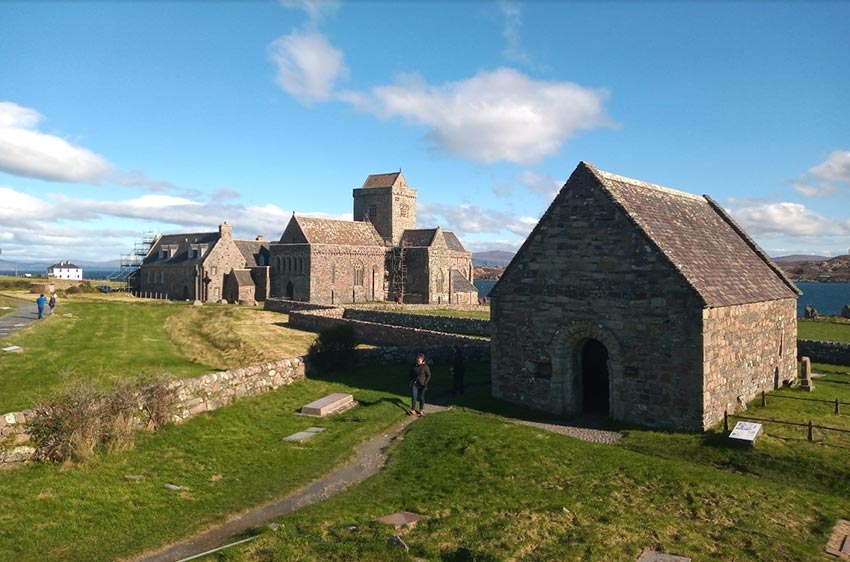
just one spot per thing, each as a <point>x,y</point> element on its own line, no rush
<point>335,232</point>
<point>453,242</point>
<point>418,237</point>
<point>461,284</point>
<point>183,243</point>
<point>716,257</point>
<point>381,180</point>
<point>252,250</point>
<point>243,277</point>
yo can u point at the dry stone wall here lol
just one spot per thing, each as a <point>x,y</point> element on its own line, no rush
<point>467,326</point>
<point>833,353</point>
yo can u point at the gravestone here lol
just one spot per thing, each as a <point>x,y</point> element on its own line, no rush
<point>330,404</point>
<point>13,349</point>
<point>655,556</point>
<point>746,432</point>
<point>302,436</point>
<point>806,375</point>
<point>839,540</point>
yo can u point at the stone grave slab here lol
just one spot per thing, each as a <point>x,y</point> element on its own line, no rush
<point>302,436</point>
<point>401,518</point>
<point>13,349</point>
<point>330,404</point>
<point>839,541</point>
<point>746,432</point>
<point>655,556</point>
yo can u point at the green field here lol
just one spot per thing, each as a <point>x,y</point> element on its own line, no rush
<point>829,328</point>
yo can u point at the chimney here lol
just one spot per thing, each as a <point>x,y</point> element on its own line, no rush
<point>225,230</point>
<point>260,237</point>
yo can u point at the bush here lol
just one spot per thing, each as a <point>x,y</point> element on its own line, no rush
<point>334,348</point>
<point>81,420</point>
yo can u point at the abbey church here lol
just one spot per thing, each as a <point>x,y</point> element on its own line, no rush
<point>378,256</point>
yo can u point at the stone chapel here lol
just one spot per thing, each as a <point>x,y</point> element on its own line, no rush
<point>643,304</point>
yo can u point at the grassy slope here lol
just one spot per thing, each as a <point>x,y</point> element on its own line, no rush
<point>229,459</point>
<point>830,329</point>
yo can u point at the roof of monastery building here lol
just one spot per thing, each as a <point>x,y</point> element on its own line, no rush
<point>251,251</point>
<point>309,230</point>
<point>243,277</point>
<point>461,284</point>
<point>183,243</point>
<point>426,237</point>
<point>712,252</point>
<point>381,180</point>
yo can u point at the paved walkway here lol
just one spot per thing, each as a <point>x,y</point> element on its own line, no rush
<point>24,314</point>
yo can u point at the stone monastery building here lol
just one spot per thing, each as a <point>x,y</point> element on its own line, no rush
<point>642,303</point>
<point>378,256</point>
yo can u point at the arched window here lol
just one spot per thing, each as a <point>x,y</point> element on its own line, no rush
<point>441,281</point>
<point>358,275</point>
<point>288,266</point>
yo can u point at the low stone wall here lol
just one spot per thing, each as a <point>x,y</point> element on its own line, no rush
<point>277,304</point>
<point>467,326</point>
<point>406,355</point>
<point>824,351</point>
<point>373,333</point>
<point>193,396</point>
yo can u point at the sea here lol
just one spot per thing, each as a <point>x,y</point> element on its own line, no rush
<point>826,298</point>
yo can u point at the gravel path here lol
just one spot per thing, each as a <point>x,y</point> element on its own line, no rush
<point>23,314</point>
<point>585,432</point>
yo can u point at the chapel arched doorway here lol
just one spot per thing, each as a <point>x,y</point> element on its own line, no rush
<point>595,377</point>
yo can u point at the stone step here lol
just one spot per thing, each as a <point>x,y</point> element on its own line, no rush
<point>330,404</point>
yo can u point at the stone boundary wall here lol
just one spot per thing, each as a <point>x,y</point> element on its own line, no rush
<point>277,304</point>
<point>441,354</point>
<point>373,333</point>
<point>193,396</point>
<point>466,326</point>
<point>833,353</point>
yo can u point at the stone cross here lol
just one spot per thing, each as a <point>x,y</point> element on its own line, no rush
<point>806,376</point>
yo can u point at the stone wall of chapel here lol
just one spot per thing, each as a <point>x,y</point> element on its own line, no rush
<point>222,257</point>
<point>333,277</point>
<point>589,273</point>
<point>290,263</point>
<point>746,349</point>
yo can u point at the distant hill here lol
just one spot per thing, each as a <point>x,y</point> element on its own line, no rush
<point>799,258</point>
<point>835,270</point>
<point>494,258</point>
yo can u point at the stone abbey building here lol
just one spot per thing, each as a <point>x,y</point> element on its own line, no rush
<point>645,304</point>
<point>378,256</point>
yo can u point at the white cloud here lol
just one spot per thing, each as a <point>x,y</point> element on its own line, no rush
<point>769,220</point>
<point>468,218</point>
<point>495,116</point>
<point>27,152</point>
<point>308,66</point>
<point>513,51</point>
<point>316,10</point>
<point>544,185</point>
<point>827,178</point>
<point>19,206</point>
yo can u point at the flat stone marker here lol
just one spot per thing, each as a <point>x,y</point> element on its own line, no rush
<point>304,435</point>
<point>839,541</point>
<point>330,404</point>
<point>655,556</point>
<point>746,432</point>
<point>401,518</point>
<point>13,349</point>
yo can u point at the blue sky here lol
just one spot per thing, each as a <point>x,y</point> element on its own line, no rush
<point>124,117</point>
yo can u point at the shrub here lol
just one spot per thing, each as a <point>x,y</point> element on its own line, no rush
<point>82,420</point>
<point>334,348</point>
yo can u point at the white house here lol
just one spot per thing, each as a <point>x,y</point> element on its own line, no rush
<point>65,270</point>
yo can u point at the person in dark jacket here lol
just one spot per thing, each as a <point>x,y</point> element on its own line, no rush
<point>419,375</point>
<point>458,369</point>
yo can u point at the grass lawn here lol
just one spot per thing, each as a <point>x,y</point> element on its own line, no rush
<point>229,460</point>
<point>106,339</point>
<point>482,313</point>
<point>5,306</point>
<point>835,329</point>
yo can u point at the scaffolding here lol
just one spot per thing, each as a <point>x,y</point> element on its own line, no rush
<point>130,263</point>
<point>398,272</point>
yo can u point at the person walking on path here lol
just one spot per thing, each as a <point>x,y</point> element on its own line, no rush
<point>458,369</point>
<point>52,303</point>
<point>419,375</point>
<point>40,302</point>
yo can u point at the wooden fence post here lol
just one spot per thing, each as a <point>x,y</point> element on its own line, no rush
<point>725,421</point>
<point>763,399</point>
<point>836,406</point>
<point>810,436</point>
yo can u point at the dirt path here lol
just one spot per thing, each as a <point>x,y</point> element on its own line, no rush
<point>371,457</point>
<point>23,314</point>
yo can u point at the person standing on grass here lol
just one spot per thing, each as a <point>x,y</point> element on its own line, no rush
<point>419,375</point>
<point>40,302</point>
<point>52,303</point>
<point>458,369</point>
